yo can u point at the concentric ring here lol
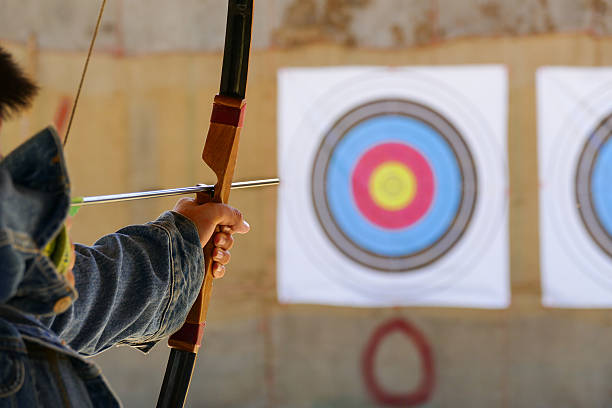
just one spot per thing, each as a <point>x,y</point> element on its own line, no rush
<point>403,159</point>
<point>409,243</point>
<point>592,188</point>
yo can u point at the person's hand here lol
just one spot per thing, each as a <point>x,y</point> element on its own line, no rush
<point>207,217</point>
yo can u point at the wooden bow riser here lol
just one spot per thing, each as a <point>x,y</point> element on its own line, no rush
<point>220,153</point>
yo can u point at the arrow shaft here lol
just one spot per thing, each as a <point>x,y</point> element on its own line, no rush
<point>199,188</point>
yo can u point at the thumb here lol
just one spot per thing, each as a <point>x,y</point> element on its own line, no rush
<point>208,216</point>
<point>229,217</point>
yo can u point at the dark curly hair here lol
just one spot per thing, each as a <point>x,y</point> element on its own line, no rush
<point>16,89</point>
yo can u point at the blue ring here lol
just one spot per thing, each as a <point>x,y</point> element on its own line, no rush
<point>447,176</point>
<point>601,193</point>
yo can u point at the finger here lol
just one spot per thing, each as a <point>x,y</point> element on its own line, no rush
<point>230,217</point>
<point>72,256</point>
<point>70,278</point>
<point>69,274</point>
<point>223,240</point>
<point>221,256</point>
<point>218,270</point>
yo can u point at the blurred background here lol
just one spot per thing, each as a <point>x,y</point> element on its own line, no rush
<point>141,124</point>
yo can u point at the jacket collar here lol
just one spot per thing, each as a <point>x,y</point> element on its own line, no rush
<point>34,202</point>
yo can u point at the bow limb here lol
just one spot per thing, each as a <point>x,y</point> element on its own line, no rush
<point>220,154</point>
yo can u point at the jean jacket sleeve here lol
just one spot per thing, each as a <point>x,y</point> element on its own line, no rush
<point>135,286</point>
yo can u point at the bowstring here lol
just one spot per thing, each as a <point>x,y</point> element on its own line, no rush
<point>78,94</point>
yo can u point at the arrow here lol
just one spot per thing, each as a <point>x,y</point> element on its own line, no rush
<point>141,195</point>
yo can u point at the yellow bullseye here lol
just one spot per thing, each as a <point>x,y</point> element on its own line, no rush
<point>393,186</point>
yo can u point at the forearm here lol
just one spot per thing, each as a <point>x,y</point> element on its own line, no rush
<point>135,286</point>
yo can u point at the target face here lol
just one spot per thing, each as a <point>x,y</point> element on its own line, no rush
<point>394,186</point>
<point>399,183</point>
<point>593,188</point>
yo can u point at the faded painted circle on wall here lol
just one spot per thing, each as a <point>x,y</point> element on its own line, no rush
<point>593,192</point>
<point>394,185</point>
<point>422,393</point>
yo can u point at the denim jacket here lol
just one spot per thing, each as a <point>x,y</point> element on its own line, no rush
<point>133,287</point>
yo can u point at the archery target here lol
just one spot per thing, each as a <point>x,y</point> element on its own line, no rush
<point>393,186</point>
<point>575,198</point>
<point>398,182</point>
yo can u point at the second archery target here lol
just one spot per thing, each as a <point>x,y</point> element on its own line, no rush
<point>575,160</point>
<point>593,187</point>
<point>394,186</point>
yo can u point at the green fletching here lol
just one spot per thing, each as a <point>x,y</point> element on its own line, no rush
<point>75,207</point>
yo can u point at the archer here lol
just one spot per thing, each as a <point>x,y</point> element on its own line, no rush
<point>60,302</point>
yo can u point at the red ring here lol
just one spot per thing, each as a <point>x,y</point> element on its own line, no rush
<point>425,388</point>
<point>425,187</point>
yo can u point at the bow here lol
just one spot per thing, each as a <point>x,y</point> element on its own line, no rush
<point>220,153</point>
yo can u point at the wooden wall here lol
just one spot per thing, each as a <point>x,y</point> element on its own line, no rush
<point>141,124</point>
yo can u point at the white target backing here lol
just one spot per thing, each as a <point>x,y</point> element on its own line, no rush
<point>394,186</point>
<point>574,128</point>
